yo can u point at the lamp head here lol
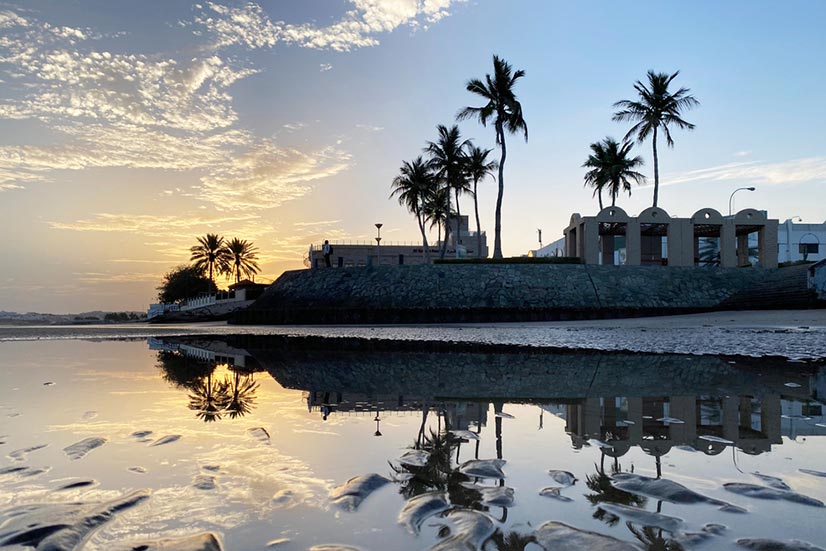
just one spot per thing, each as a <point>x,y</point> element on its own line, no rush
<point>751,188</point>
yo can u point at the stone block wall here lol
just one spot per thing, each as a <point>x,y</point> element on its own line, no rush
<point>515,292</point>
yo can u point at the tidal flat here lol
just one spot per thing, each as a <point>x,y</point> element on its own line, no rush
<point>257,441</point>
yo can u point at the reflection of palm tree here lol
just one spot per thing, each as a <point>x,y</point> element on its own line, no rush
<point>438,473</point>
<point>242,397</point>
<point>605,492</point>
<point>511,541</point>
<point>209,398</point>
<point>653,540</point>
<point>182,371</point>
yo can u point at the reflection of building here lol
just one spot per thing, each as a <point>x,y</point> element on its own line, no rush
<point>461,244</point>
<point>655,238</point>
<point>209,352</point>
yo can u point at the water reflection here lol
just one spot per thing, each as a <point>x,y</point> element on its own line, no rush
<point>198,370</point>
<point>614,402</point>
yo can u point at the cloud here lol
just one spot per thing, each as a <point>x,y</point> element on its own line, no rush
<point>116,110</point>
<point>266,176</point>
<point>795,171</point>
<point>324,67</point>
<point>369,127</point>
<point>249,25</point>
<point>181,225</point>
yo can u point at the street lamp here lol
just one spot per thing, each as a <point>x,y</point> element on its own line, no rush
<point>793,217</point>
<point>732,196</point>
<point>378,244</point>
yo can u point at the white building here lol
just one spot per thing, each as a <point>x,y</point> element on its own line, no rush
<point>801,241</point>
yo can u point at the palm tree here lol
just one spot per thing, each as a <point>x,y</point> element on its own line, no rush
<point>414,185</point>
<point>656,108</point>
<point>210,253</point>
<point>436,211</point>
<point>209,398</point>
<point>242,395</point>
<point>505,111</point>
<point>478,168</point>
<point>612,167</point>
<point>447,160</point>
<point>240,259</point>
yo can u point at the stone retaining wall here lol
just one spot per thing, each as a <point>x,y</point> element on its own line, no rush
<point>515,292</point>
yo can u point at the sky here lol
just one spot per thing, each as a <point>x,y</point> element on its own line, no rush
<point>128,129</point>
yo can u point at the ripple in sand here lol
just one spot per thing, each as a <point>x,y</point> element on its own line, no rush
<point>78,450</point>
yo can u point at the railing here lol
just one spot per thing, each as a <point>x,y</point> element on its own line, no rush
<point>384,243</point>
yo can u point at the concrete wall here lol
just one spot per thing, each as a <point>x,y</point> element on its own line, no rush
<point>493,293</point>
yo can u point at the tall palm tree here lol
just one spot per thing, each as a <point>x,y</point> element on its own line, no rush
<point>612,167</point>
<point>505,111</point>
<point>656,108</point>
<point>210,253</point>
<point>241,258</point>
<point>478,168</point>
<point>414,186</point>
<point>447,159</point>
<point>437,211</point>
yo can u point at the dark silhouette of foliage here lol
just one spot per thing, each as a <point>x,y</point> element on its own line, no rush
<point>656,109</point>
<point>241,259</point>
<point>447,160</point>
<point>612,168</point>
<point>184,282</point>
<point>505,112</point>
<point>414,187</point>
<point>210,254</point>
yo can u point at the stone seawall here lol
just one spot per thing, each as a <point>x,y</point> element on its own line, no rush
<point>476,293</point>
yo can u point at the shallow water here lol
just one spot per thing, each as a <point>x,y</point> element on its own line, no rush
<point>297,443</point>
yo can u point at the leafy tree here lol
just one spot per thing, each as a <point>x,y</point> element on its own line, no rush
<point>612,167</point>
<point>503,109</point>
<point>414,186</point>
<point>447,159</point>
<point>210,253</point>
<point>241,258</point>
<point>478,168</point>
<point>437,210</point>
<point>184,282</point>
<point>656,108</point>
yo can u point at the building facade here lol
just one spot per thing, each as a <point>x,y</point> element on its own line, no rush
<point>801,241</point>
<point>462,243</point>
<point>612,237</point>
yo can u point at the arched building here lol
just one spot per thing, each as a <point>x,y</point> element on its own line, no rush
<point>612,237</point>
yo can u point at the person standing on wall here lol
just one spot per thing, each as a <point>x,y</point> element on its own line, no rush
<point>326,250</point>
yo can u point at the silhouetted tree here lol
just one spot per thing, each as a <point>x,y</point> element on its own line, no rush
<point>503,109</point>
<point>241,258</point>
<point>478,168</point>
<point>656,108</point>
<point>210,254</point>
<point>414,187</point>
<point>184,282</point>
<point>612,168</point>
<point>447,160</point>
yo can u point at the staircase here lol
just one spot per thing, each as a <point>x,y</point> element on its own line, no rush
<point>782,289</point>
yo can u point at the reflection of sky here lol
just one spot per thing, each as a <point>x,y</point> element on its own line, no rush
<point>268,491</point>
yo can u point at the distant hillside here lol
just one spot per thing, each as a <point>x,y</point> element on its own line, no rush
<point>37,318</point>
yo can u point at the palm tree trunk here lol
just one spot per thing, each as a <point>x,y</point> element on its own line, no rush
<point>656,167</point>
<point>420,219</point>
<point>478,224</point>
<point>613,198</point>
<point>599,194</point>
<point>497,228</point>
<point>458,223</point>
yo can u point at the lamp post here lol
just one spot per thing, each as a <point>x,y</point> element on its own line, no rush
<point>793,217</point>
<point>732,196</point>
<point>378,244</point>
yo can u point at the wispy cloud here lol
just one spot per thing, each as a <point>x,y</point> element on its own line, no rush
<point>369,127</point>
<point>324,67</point>
<point>151,225</point>
<point>795,171</point>
<point>249,25</point>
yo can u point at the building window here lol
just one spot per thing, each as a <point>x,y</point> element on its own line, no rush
<point>809,248</point>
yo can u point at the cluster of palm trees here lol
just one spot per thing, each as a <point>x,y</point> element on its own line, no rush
<point>612,168</point>
<point>235,257</point>
<point>456,166</point>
